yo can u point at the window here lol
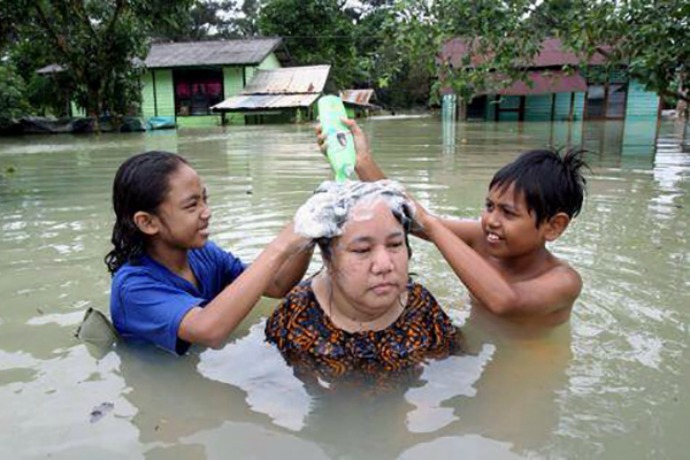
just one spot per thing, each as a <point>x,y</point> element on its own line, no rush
<point>606,101</point>
<point>197,90</point>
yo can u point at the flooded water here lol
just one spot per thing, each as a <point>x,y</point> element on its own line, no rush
<point>611,384</point>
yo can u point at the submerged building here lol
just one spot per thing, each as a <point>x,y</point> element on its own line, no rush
<point>185,80</point>
<point>552,93</point>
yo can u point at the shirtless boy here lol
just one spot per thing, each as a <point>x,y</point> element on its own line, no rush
<point>502,258</point>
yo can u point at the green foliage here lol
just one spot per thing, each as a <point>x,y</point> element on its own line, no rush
<point>315,32</point>
<point>13,103</point>
<point>648,37</point>
<point>100,43</point>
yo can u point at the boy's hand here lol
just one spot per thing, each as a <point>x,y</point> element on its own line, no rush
<point>358,137</point>
<point>365,166</point>
<point>360,140</point>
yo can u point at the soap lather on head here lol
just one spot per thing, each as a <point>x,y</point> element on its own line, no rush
<point>331,206</point>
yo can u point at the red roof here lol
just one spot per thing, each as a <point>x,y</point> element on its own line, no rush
<point>552,54</point>
<point>547,83</point>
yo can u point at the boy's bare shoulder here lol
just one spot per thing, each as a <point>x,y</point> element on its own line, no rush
<point>563,280</point>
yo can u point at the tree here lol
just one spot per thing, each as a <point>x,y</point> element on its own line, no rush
<point>650,37</point>
<point>502,38</point>
<point>99,43</point>
<point>13,104</point>
<point>494,32</point>
<point>315,32</point>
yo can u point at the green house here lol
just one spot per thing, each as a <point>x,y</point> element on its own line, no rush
<point>550,93</point>
<point>184,80</point>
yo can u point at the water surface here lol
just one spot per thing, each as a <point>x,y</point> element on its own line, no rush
<point>612,383</point>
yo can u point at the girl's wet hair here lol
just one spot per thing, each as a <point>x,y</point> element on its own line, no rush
<point>141,184</point>
<point>551,182</point>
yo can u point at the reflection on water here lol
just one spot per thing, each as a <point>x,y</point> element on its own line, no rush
<point>612,383</point>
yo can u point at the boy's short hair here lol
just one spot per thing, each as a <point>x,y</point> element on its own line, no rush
<point>551,182</point>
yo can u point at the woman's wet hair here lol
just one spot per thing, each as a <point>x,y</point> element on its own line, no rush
<point>141,184</point>
<point>388,192</point>
<point>550,181</point>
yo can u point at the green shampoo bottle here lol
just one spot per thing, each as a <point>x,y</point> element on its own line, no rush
<point>340,148</point>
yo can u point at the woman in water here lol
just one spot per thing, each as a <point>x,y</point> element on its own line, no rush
<point>362,315</point>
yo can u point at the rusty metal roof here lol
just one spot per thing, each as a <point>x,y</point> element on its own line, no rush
<point>255,102</point>
<point>208,53</point>
<point>547,83</point>
<point>287,87</point>
<point>357,96</point>
<point>552,54</point>
<point>289,80</point>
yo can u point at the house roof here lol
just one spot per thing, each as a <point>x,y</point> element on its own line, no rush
<point>358,97</point>
<point>278,88</point>
<point>261,102</point>
<point>211,53</point>
<point>305,79</point>
<point>546,83</point>
<point>552,54</point>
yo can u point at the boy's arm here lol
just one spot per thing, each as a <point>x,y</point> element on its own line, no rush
<point>369,171</point>
<point>554,290</point>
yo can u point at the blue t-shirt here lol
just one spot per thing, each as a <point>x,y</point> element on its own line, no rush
<point>148,301</point>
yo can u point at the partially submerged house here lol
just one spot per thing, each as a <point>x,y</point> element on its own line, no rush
<point>554,94</point>
<point>358,102</point>
<point>278,95</point>
<point>184,80</point>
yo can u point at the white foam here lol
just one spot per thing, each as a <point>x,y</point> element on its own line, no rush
<point>327,211</point>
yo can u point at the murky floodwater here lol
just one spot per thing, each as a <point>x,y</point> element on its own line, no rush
<point>613,383</point>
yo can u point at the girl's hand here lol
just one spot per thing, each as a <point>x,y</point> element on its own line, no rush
<point>290,242</point>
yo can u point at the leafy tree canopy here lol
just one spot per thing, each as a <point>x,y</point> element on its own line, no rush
<point>503,37</point>
<point>315,32</point>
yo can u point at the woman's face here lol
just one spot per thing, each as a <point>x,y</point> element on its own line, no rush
<point>369,261</point>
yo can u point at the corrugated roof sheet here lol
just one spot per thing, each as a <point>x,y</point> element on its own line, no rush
<point>552,54</point>
<point>357,96</point>
<point>283,88</point>
<point>204,53</point>
<point>547,83</point>
<point>250,102</point>
<point>287,80</point>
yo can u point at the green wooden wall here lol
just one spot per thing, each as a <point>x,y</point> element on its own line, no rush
<point>234,80</point>
<point>164,105</point>
<point>233,84</point>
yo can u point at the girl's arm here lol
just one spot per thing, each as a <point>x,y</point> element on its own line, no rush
<point>290,273</point>
<point>212,324</point>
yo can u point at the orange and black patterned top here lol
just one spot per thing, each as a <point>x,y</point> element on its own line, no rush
<point>307,338</point>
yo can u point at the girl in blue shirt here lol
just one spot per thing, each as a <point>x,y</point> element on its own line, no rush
<point>171,286</point>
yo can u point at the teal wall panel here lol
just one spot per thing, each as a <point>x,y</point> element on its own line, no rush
<point>579,106</point>
<point>538,107</point>
<point>641,104</point>
<point>561,110</point>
